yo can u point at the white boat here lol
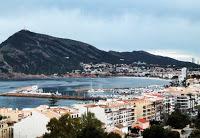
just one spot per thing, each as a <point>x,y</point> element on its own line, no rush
<point>91,91</point>
<point>95,91</point>
<point>57,93</point>
<point>35,90</point>
<point>100,90</point>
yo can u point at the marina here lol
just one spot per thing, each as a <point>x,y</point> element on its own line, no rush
<point>92,94</point>
<point>71,90</point>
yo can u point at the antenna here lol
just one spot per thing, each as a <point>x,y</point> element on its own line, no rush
<point>25,28</point>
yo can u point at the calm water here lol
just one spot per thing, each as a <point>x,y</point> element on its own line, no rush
<point>68,86</point>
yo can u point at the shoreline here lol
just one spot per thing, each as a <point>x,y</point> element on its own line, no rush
<point>25,77</point>
<point>81,77</point>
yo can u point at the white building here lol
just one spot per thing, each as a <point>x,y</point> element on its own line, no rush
<point>186,101</point>
<point>32,126</point>
<point>35,125</point>
<point>111,113</point>
<point>183,75</point>
<point>184,98</point>
<point>169,103</point>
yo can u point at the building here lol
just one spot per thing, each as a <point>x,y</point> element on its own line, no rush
<point>193,60</point>
<point>144,109</point>
<point>32,126</point>
<point>183,98</point>
<point>183,75</point>
<point>125,112</point>
<point>169,103</point>
<point>11,117</point>
<point>112,113</point>
<point>14,115</point>
<point>35,125</point>
<point>6,130</point>
<point>141,124</point>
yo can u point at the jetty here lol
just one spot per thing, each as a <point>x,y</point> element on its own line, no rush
<point>82,98</point>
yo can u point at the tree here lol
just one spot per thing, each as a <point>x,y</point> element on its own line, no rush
<point>91,132</point>
<point>156,131</point>
<point>154,122</point>
<point>197,121</point>
<point>63,127</point>
<point>113,135</point>
<point>87,126</point>
<point>165,117</point>
<point>178,120</point>
<point>195,134</point>
<point>91,127</point>
<point>172,134</point>
<point>184,84</point>
<point>135,130</point>
<point>89,120</point>
<point>2,117</point>
<point>52,101</point>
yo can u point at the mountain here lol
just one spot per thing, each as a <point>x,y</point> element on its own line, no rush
<point>148,58</point>
<point>33,53</point>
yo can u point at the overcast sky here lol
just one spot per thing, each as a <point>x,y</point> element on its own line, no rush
<point>165,27</point>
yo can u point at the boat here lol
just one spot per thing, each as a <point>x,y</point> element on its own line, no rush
<point>57,93</point>
<point>95,91</point>
<point>34,90</point>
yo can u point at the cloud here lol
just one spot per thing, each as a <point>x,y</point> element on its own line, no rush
<point>123,25</point>
<point>179,55</point>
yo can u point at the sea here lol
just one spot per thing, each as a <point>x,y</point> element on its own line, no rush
<point>68,86</point>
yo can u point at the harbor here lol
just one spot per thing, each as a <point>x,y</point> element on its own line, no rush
<point>91,94</point>
<point>71,89</point>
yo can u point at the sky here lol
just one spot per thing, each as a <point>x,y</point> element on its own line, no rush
<point>162,27</point>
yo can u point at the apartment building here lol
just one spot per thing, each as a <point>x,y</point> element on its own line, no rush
<point>111,113</point>
<point>183,98</point>
<point>169,103</point>
<point>144,109</point>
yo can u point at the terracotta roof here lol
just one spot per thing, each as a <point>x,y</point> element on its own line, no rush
<point>142,120</point>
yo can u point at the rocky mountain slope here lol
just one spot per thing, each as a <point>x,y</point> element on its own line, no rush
<point>33,53</point>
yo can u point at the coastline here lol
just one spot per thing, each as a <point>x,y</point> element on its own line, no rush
<point>130,82</point>
<point>25,77</point>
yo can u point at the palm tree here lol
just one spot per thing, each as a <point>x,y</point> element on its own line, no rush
<point>53,100</point>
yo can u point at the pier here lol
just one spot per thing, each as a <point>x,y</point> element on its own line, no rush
<point>82,98</point>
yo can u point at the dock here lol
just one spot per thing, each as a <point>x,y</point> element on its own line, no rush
<point>82,98</point>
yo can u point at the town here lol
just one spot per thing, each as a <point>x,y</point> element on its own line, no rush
<point>137,69</point>
<point>99,69</point>
<point>121,115</point>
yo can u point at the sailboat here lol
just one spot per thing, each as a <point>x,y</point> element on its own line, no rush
<point>92,90</point>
